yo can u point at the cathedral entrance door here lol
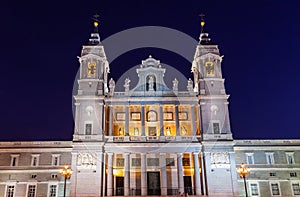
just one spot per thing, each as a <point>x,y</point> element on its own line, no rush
<point>119,186</point>
<point>153,183</point>
<point>188,185</point>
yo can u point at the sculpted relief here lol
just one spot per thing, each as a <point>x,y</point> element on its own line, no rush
<point>86,160</point>
<point>219,158</point>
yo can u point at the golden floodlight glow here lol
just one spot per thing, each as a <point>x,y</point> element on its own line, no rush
<point>202,23</point>
<point>96,23</point>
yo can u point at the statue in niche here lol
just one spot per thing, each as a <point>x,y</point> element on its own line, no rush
<point>121,131</point>
<point>112,86</point>
<point>127,84</point>
<point>168,131</point>
<point>136,131</point>
<point>175,85</point>
<point>151,83</point>
<point>183,130</point>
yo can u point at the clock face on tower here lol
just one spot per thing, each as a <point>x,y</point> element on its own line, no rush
<point>91,69</point>
<point>210,68</point>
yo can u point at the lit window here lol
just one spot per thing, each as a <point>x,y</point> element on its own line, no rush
<point>250,158</point>
<point>10,191</point>
<point>270,158</point>
<point>254,189</point>
<point>296,188</point>
<point>88,128</point>
<point>31,190</point>
<point>55,160</point>
<point>275,189</point>
<point>52,190</point>
<point>14,160</point>
<point>290,158</point>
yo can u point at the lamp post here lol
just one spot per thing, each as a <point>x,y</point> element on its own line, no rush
<point>66,172</point>
<point>243,171</point>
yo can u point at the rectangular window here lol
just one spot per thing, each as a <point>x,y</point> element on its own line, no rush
<point>120,162</point>
<point>14,160</point>
<point>35,160</point>
<point>170,162</point>
<point>254,189</point>
<point>275,189</point>
<point>55,160</point>
<point>52,191</point>
<point>272,173</point>
<point>216,128</point>
<point>31,190</point>
<point>250,158</point>
<point>10,191</point>
<point>88,128</point>
<point>296,188</point>
<point>33,176</point>
<point>293,174</point>
<point>53,176</point>
<point>290,158</point>
<point>270,158</point>
<point>152,161</point>
<point>136,162</point>
<point>186,162</point>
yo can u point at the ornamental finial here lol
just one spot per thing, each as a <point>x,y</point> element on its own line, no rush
<point>202,23</point>
<point>96,21</point>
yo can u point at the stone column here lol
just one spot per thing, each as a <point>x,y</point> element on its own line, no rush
<point>161,120</point>
<point>143,120</point>
<point>143,174</point>
<point>204,181</point>
<point>163,174</point>
<point>101,120</point>
<point>74,175</point>
<point>197,174</point>
<point>110,120</point>
<point>110,175</point>
<point>127,174</point>
<point>127,120</point>
<point>98,185</point>
<point>180,173</point>
<point>194,128</point>
<point>177,121</point>
<point>77,114</point>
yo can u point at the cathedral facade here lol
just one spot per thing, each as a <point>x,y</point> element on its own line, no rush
<point>150,139</point>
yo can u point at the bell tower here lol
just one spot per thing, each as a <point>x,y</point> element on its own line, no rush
<point>217,143</point>
<point>209,85</point>
<point>92,87</point>
<point>88,138</point>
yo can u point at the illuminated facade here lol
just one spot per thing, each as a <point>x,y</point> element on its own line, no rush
<point>150,139</point>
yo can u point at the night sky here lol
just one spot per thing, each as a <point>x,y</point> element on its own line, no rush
<point>40,43</point>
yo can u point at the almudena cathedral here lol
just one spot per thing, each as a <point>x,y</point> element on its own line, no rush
<point>150,140</point>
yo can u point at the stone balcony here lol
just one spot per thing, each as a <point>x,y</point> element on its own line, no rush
<point>152,138</point>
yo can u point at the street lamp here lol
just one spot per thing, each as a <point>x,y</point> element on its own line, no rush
<point>65,172</point>
<point>243,171</point>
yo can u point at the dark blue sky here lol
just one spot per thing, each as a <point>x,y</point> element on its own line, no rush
<point>40,42</point>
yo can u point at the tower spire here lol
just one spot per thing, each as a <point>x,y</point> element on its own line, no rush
<point>202,23</point>
<point>95,37</point>
<point>204,37</point>
<point>96,22</point>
